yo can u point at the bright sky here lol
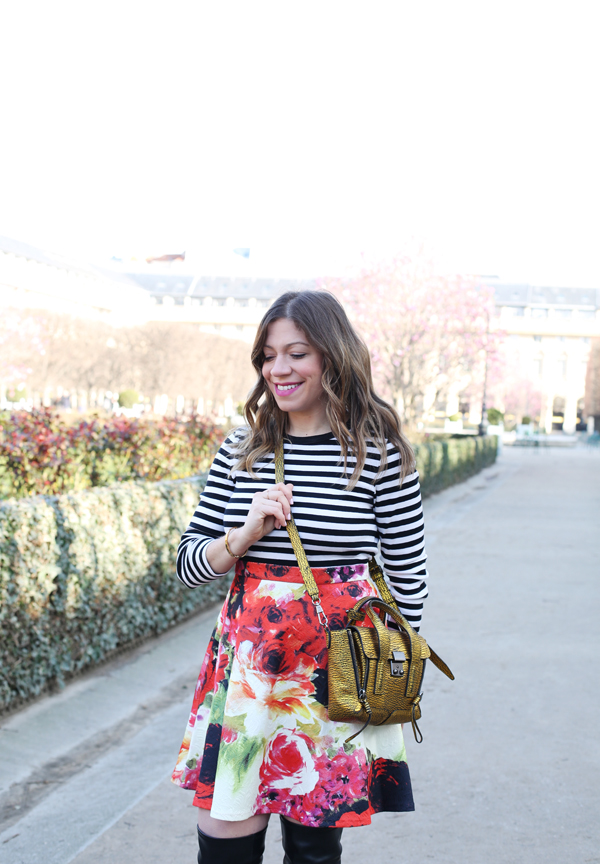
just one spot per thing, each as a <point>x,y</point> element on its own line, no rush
<point>311,132</point>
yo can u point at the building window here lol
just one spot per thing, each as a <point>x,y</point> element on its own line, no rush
<point>539,313</point>
<point>587,313</point>
<point>538,367</point>
<point>563,313</point>
<point>207,301</point>
<point>537,338</point>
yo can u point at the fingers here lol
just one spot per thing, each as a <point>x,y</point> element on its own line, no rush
<point>282,504</point>
<point>275,501</point>
<point>274,509</point>
<point>286,488</point>
<point>281,493</point>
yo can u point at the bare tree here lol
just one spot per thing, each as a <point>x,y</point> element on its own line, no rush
<point>79,354</point>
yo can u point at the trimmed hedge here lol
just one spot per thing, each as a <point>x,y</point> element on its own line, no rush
<point>86,573</point>
<point>83,574</point>
<point>443,463</point>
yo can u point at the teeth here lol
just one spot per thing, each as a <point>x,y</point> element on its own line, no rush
<point>287,386</point>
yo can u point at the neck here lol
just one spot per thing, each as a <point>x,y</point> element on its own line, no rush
<point>302,425</point>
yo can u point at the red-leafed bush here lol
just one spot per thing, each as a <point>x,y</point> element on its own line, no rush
<point>40,453</point>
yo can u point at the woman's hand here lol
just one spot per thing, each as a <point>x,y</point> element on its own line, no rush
<point>270,509</point>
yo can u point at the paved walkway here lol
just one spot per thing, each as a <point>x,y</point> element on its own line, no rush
<point>508,771</point>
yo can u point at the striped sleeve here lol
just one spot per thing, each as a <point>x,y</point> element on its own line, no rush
<point>399,518</point>
<point>193,568</point>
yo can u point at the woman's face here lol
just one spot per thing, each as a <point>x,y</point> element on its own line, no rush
<point>292,368</point>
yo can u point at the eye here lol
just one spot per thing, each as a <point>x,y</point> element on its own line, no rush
<point>267,359</point>
<point>297,356</point>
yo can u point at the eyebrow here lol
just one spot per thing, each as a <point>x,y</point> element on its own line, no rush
<point>289,345</point>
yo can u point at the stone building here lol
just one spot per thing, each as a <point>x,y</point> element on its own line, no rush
<point>231,306</point>
<point>549,331</point>
<point>592,385</point>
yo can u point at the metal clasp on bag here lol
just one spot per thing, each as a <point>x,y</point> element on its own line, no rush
<point>320,612</point>
<point>396,662</point>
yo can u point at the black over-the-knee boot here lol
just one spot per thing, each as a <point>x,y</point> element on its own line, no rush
<point>304,845</point>
<point>231,850</point>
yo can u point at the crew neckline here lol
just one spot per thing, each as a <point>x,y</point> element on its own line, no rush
<point>309,439</point>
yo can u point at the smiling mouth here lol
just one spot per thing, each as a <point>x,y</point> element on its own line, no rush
<point>287,389</point>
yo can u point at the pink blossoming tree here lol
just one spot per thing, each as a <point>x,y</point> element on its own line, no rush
<point>428,334</point>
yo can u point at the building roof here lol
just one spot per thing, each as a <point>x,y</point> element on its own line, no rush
<point>178,285</point>
<point>33,253</point>
<point>61,262</point>
<point>238,287</point>
<point>517,294</point>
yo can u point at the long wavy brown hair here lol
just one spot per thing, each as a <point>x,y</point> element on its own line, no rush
<point>354,411</point>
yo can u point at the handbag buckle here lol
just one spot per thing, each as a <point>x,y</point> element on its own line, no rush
<point>396,662</point>
<point>320,612</point>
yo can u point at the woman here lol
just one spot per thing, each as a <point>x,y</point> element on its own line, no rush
<point>259,740</point>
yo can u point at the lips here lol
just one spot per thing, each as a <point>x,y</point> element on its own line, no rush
<point>287,389</point>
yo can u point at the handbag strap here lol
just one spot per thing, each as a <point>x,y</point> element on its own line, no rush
<point>307,574</point>
<point>377,576</point>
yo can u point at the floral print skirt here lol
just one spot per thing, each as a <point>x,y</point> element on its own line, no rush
<point>259,739</point>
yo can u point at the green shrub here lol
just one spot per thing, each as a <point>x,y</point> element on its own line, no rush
<point>83,574</point>
<point>494,416</point>
<point>128,398</point>
<point>443,463</point>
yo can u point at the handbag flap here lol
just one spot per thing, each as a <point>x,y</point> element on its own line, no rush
<point>370,642</point>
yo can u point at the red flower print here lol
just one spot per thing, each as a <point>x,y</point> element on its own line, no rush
<point>228,735</point>
<point>288,764</point>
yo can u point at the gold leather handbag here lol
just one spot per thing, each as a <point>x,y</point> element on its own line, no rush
<point>375,673</point>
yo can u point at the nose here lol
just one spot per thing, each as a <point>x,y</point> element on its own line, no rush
<point>281,366</point>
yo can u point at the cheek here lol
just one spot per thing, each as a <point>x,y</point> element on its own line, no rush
<point>314,370</point>
<point>318,375</point>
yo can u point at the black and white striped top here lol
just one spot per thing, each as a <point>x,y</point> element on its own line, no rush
<point>337,526</point>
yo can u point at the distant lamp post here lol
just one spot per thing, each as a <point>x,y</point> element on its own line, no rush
<point>482,428</point>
